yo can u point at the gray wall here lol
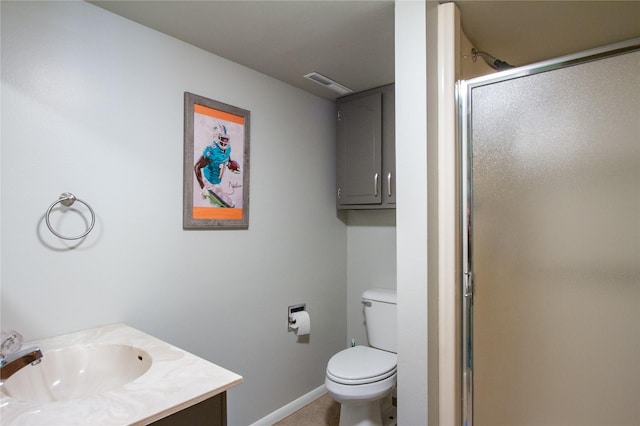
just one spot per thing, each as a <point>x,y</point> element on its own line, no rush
<point>411,37</point>
<point>371,262</point>
<point>92,104</point>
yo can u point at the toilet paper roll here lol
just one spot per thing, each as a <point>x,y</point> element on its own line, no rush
<point>302,324</point>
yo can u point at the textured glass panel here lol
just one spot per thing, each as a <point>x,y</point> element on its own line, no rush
<point>556,246</point>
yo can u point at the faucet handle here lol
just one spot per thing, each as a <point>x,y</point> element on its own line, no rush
<point>11,342</point>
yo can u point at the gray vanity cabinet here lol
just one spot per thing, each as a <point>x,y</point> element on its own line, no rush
<point>366,150</point>
<point>210,412</point>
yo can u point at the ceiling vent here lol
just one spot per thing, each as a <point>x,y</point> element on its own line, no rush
<point>328,83</point>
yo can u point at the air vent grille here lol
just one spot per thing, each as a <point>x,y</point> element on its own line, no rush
<point>328,83</point>
<point>319,79</point>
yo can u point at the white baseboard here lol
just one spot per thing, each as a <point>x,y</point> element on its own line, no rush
<point>291,407</point>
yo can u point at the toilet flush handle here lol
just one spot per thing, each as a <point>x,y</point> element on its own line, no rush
<point>367,303</point>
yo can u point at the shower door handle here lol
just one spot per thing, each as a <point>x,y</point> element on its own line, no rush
<point>468,284</point>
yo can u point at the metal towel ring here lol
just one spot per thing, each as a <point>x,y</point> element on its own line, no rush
<point>67,199</point>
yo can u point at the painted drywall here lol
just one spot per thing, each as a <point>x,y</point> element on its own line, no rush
<point>411,211</point>
<point>93,104</point>
<point>371,263</point>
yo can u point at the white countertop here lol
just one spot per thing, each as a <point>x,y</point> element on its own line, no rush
<point>176,380</point>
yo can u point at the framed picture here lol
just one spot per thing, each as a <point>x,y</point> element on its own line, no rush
<point>216,165</point>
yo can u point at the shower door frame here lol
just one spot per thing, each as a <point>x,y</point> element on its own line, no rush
<point>464,90</point>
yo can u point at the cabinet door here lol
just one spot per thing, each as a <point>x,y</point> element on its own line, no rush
<point>210,412</point>
<point>359,150</point>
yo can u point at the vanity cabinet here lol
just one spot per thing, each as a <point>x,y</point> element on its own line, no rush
<point>210,412</point>
<point>365,149</point>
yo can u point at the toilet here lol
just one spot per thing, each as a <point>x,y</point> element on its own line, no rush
<point>360,378</point>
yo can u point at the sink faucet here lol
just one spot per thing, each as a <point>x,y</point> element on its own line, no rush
<point>11,363</point>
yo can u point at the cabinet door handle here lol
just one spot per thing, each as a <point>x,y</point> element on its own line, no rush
<point>375,185</point>
<point>389,184</point>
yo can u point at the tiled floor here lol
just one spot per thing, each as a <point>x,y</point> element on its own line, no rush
<point>324,411</point>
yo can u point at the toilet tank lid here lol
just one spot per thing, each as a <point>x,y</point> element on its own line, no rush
<point>381,295</point>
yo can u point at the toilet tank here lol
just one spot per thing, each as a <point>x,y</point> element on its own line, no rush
<point>381,318</point>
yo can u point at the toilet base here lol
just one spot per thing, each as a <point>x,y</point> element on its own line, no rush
<point>360,414</point>
<point>389,416</point>
<point>380,412</point>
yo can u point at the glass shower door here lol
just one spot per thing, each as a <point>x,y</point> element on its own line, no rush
<point>552,244</point>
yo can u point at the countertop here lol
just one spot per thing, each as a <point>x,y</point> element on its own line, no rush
<point>176,380</point>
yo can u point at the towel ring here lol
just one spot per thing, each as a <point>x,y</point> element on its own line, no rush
<point>67,199</point>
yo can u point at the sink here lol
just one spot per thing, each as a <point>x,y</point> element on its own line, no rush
<point>112,375</point>
<point>77,371</point>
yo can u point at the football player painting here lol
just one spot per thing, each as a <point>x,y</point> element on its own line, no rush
<point>211,166</point>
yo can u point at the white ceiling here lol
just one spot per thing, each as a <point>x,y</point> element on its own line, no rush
<point>352,41</point>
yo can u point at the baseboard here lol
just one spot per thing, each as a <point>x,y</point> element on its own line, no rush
<point>291,407</point>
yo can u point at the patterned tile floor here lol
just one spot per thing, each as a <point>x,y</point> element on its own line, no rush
<point>323,411</point>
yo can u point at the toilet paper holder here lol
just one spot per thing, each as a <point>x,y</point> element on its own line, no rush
<point>290,320</point>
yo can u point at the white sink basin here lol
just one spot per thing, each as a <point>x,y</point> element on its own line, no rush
<point>113,375</point>
<point>77,371</point>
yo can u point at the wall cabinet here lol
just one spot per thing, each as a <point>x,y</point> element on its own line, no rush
<point>366,149</point>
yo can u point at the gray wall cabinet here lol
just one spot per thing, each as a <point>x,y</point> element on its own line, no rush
<point>366,149</point>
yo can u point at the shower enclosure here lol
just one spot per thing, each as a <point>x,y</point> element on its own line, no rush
<point>551,242</point>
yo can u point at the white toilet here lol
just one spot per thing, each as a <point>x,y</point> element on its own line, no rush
<point>361,377</point>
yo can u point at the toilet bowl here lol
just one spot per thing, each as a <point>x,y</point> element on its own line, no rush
<point>359,378</point>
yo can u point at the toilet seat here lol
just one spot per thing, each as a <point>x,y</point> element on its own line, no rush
<point>360,365</point>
